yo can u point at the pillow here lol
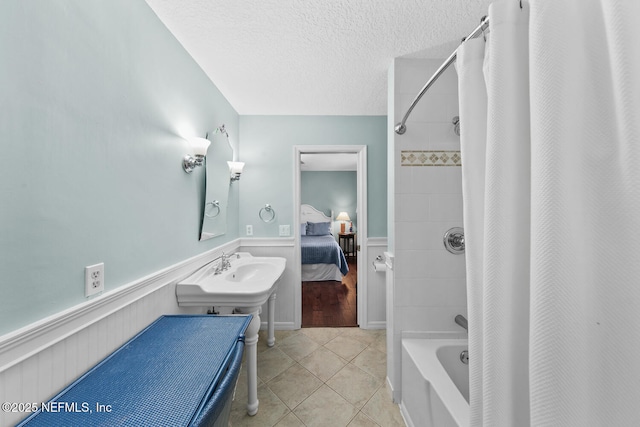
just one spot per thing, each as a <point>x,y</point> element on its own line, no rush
<point>318,228</point>
<point>303,229</point>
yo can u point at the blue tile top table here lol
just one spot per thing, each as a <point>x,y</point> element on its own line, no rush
<point>179,371</point>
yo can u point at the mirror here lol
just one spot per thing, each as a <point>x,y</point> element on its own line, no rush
<point>214,217</point>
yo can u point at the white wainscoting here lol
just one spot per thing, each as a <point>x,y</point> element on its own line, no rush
<point>285,302</point>
<point>376,285</point>
<point>286,296</point>
<point>40,359</point>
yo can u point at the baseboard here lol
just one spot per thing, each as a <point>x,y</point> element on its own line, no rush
<point>377,324</point>
<point>279,326</point>
<point>405,416</point>
<point>396,395</point>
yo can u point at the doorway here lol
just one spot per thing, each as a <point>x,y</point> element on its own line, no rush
<point>358,261</point>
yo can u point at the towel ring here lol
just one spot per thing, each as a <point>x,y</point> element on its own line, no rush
<point>267,214</point>
<point>216,205</point>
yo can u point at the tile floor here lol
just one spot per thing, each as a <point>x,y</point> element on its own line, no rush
<point>320,377</point>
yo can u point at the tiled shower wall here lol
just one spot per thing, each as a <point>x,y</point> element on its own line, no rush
<point>428,283</point>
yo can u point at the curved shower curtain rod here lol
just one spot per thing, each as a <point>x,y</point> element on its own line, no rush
<point>401,127</point>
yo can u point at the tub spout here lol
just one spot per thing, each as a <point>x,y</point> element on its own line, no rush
<point>462,321</point>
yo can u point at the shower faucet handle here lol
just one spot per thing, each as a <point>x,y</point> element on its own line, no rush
<point>454,240</point>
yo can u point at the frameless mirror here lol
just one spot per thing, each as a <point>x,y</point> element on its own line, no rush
<point>214,218</point>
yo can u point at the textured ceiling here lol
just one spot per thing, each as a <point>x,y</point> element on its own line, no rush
<point>313,57</point>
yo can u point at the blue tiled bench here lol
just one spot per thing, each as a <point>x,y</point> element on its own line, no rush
<point>179,371</point>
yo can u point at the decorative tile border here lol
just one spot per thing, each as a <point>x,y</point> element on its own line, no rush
<point>430,158</point>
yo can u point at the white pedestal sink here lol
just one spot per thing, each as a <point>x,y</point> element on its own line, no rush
<point>245,285</point>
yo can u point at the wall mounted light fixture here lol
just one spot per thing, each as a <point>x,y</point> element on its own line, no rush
<point>222,130</point>
<point>236,170</point>
<point>199,147</point>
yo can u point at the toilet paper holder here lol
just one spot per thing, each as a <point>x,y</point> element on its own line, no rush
<point>378,264</point>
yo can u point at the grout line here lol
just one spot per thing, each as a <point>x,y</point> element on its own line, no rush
<point>296,362</point>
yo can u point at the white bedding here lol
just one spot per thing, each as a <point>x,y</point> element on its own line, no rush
<point>320,272</point>
<point>317,272</point>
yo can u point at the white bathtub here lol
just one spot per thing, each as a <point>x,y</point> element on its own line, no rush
<point>435,383</point>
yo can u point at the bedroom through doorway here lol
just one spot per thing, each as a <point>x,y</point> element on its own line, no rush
<point>329,259</point>
<point>329,185</point>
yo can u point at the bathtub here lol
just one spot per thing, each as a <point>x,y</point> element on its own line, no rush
<point>435,383</point>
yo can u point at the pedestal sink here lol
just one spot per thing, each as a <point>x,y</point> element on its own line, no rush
<point>245,284</point>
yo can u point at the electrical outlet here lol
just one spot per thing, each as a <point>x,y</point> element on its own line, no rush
<point>93,279</point>
<point>249,230</point>
<point>285,230</point>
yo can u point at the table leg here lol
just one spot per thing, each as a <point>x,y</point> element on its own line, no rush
<point>251,358</point>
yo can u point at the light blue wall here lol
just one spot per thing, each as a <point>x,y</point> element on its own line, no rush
<point>96,96</point>
<point>329,191</point>
<point>267,149</point>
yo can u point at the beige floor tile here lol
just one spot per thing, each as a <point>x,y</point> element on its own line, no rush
<point>372,361</point>
<point>282,335</point>
<point>272,363</point>
<point>323,363</point>
<point>382,409</point>
<point>327,408</point>
<point>366,336</point>
<point>241,383</point>
<point>380,343</point>
<point>290,420</point>
<point>322,335</point>
<point>262,341</point>
<point>355,385</point>
<point>296,367</point>
<point>298,346</point>
<point>279,336</point>
<point>361,420</point>
<point>346,347</point>
<point>294,385</point>
<point>271,410</point>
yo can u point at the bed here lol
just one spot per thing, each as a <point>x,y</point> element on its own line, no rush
<point>322,257</point>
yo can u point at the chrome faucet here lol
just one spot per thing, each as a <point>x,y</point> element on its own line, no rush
<point>223,265</point>
<point>462,321</point>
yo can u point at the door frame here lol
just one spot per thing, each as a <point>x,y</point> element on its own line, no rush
<point>361,210</point>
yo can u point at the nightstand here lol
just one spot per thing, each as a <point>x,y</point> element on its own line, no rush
<point>347,242</point>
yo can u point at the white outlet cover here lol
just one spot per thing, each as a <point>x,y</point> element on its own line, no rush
<point>285,230</point>
<point>249,230</point>
<point>93,279</point>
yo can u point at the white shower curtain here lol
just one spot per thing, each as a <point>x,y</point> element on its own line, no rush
<point>552,213</point>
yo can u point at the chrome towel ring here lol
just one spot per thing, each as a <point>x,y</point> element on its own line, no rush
<point>267,214</point>
<point>214,211</point>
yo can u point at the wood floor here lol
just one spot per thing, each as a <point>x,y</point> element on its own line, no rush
<point>331,303</point>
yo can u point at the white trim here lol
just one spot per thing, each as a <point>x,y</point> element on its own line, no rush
<point>361,178</point>
<point>267,242</point>
<point>395,394</point>
<point>279,326</point>
<point>377,241</point>
<point>27,341</point>
<point>377,324</point>
<point>405,415</point>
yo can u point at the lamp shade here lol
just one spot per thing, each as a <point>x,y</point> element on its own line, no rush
<point>235,167</point>
<point>343,216</point>
<point>199,146</point>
